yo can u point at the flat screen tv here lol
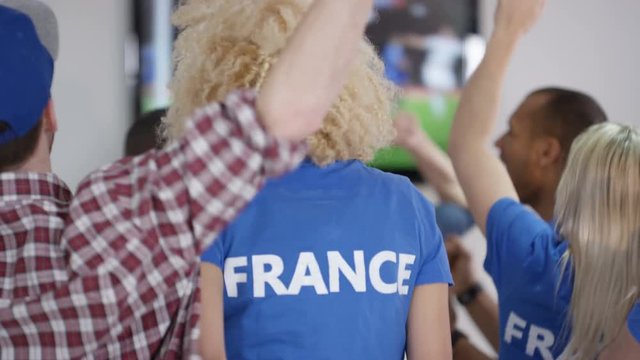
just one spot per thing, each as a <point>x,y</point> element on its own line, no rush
<point>429,47</point>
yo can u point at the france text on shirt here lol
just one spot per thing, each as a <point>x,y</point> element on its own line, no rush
<point>266,269</point>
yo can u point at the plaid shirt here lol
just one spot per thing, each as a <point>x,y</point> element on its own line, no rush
<point>112,272</point>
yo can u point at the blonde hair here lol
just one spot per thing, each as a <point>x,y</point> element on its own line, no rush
<point>598,212</point>
<point>230,44</point>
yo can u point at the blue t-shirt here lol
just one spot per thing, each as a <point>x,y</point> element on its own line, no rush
<point>323,264</point>
<point>524,258</point>
<point>633,322</point>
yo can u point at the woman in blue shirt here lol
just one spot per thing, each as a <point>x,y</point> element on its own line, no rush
<point>335,260</point>
<point>574,283</point>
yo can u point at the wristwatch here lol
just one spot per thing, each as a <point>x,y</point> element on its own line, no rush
<point>469,295</point>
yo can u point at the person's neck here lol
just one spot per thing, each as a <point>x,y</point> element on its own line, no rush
<point>40,160</point>
<point>545,202</point>
<point>37,165</point>
<point>544,207</point>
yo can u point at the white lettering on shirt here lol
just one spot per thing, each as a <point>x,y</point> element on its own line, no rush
<point>539,338</point>
<point>542,340</point>
<point>267,270</point>
<point>337,265</point>
<point>515,327</point>
<point>374,272</point>
<point>307,263</point>
<point>403,273</point>
<point>261,276</point>
<point>231,278</point>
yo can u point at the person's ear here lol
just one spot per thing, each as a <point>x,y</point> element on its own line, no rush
<point>50,119</point>
<point>548,151</point>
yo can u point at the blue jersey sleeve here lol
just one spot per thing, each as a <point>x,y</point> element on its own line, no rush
<point>435,265</point>
<point>517,237</point>
<point>633,322</point>
<point>215,253</point>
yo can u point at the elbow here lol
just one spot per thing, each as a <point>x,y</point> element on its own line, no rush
<point>289,122</point>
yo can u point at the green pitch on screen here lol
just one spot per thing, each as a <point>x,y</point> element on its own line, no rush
<point>435,123</point>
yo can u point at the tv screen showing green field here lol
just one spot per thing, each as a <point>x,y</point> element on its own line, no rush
<point>429,48</point>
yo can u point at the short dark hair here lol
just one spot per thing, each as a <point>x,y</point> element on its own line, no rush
<point>143,134</point>
<point>17,151</point>
<point>566,113</point>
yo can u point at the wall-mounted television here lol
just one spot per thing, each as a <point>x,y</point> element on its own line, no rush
<point>429,48</point>
<point>155,35</point>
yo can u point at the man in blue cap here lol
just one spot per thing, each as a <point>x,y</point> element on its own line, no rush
<point>111,272</point>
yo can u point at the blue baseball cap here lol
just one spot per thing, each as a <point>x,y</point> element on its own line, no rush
<point>453,219</point>
<point>26,64</point>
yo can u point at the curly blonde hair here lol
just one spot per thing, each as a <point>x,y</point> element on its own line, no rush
<point>229,44</point>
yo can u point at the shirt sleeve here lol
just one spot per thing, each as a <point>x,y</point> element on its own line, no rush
<point>187,193</point>
<point>216,168</point>
<point>134,234</point>
<point>435,265</point>
<point>214,254</point>
<point>516,237</point>
<point>633,322</point>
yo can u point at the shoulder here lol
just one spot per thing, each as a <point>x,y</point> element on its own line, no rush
<point>102,177</point>
<point>119,173</point>
<point>397,183</point>
<point>520,242</point>
<point>510,216</point>
<point>116,188</point>
<point>401,189</point>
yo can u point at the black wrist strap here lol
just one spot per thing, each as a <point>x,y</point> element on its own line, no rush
<point>469,295</point>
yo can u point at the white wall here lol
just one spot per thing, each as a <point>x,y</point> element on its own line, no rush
<point>89,86</point>
<point>590,45</point>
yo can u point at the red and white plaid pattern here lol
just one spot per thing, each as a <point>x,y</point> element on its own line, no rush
<point>112,272</point>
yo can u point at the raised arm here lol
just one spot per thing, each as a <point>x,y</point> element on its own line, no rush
<point>483,177</point>
<point>136,228</point>
<point>433,163</point>
<point>313,67</point>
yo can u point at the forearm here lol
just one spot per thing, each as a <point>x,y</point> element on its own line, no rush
<point>476,116</point>
<point>435,166</point>
<point>314,66</point>
<point>484,312</point>
<point>481,174</point>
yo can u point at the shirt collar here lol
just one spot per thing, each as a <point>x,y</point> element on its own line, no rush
<point>16,185</point>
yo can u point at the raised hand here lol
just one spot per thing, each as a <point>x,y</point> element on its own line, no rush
<point>408,130</point>
<point>516,17</point>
